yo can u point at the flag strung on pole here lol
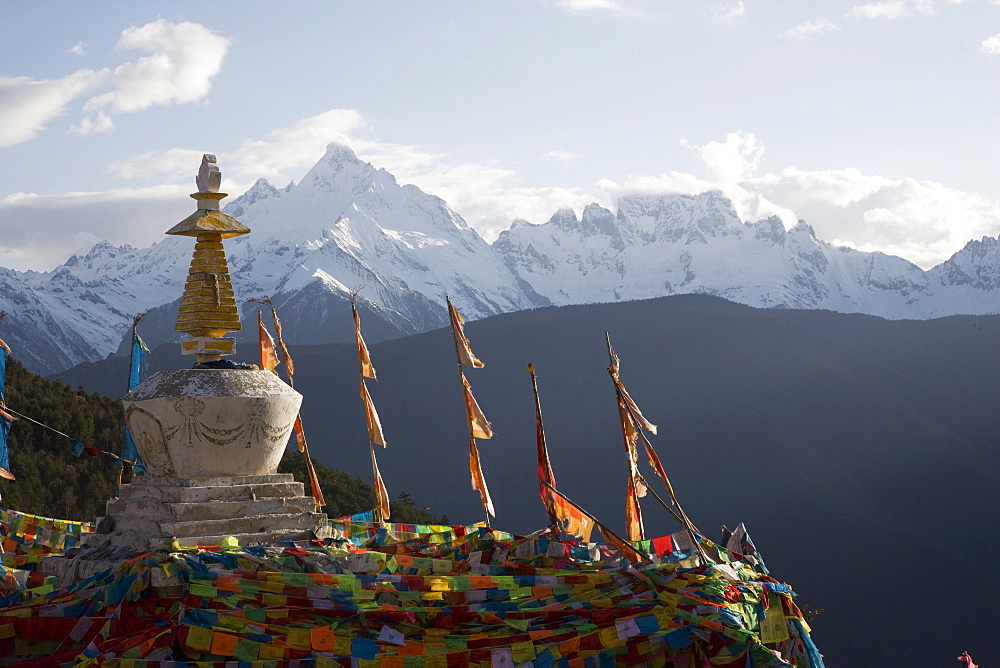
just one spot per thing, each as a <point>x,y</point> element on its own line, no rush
<point>546,477</point>
<point>381,493</point>
<point>570,519</point>
<point>4,351</point>
<point>632,421</point>
<point>364,359</point>
<point>300,439</point>
<point>371,417</point>
<point>268,353</point>
<point>138,369</point>
<point>5,422</point>
<point>626,549</point>
<point>289,366</point>
<point>478,480</point>
<point>465,356</point>
<point>479,426</point>
<point>375,435</point>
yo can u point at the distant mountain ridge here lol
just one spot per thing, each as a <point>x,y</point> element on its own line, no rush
<point>349,227</point>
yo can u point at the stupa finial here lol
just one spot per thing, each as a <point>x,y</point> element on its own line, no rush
<point>208,307</point>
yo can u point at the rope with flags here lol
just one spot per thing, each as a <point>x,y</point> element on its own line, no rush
<point>479,426</point>
<point>375,435</point>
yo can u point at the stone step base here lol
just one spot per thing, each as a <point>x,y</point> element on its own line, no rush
<point>256,510</point>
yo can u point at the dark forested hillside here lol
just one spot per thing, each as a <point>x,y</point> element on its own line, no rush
<point>53,483</point>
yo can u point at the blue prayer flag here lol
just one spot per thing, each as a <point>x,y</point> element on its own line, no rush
<point>140,361</point>
<point>139,367</point>
<point>3,373</point>
<point>76,446</point>
<point>5,423</point>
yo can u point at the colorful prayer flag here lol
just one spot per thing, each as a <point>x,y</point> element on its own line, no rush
<point>300,439</point>
<point>478,481</point>
<point>268,354</point>
<point>967,660</point>
<point>465,356</point>
<point>364,360</point>
<point>479,426</point>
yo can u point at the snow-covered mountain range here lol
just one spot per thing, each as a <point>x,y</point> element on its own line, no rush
<point>349,227</point>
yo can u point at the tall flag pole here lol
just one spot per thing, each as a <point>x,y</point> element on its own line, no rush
<point>5,418</point>
<point>300,434</point>
<point>479,426</point>
<point>137,368</point>
<point>375,435</point>
<point>545,474</point>
<point>634,426</point>
<point>636,483</point>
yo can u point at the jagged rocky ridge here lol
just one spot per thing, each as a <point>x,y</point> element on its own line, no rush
<point>348,227</point>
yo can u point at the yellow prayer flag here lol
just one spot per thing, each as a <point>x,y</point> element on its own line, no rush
<point>380,491</point>
<point>364,360</point>
<point>375,434</point>
<point>465,356</point>
<point>268,355</point>
<point>199,638</point>
<point>478,481</point>
<point>479,426</point>
<point>633,514</point>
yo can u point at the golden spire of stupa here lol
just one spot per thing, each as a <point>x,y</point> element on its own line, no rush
<point>208,308</point>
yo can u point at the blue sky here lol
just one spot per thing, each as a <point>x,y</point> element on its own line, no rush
<point>876,122</point>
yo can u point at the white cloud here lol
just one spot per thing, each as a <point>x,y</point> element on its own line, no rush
<point>588,5</point>
<point>560,156</point>
<point>183,58</point>
<point>922,221</point>
<point>728,14</point>
<point>991,45</point>
<point>879,11</point>
<point>40,235</point>
<point>809,29</point>
<point>79,49</point>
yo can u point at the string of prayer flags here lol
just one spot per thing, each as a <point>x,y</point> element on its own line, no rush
<point>480,597</point>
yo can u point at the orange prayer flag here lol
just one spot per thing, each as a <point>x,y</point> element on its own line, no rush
<point>223,644</point>
<point>465,356</point>
<point>268,355</point>
<point>478,481</point>
<point>633,514</point>
<point>571,519</point>
<point>371,417</point>
<point>300,434</point>
<point>364,360</point>
<point>381,493</point>
<point>479,426</point>
<point>289,367</point>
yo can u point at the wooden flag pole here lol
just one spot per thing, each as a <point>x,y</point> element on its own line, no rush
<point>543,448</point>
